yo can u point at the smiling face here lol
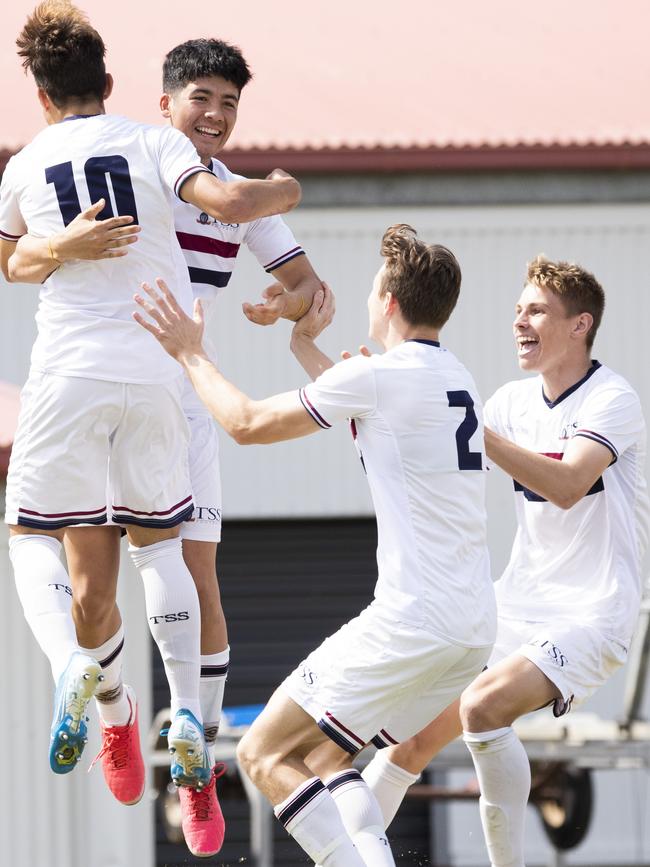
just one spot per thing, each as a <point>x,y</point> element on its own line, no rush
<point>545,335</point>
<point>206,111</point>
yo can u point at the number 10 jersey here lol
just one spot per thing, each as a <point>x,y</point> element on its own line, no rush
<point>85,324</point>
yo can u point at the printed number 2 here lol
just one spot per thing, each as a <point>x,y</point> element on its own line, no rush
<point>466,460</point>
<point>97,171</point>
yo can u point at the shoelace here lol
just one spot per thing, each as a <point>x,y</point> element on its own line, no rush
<point>116,743</point>
<point>200,803</point>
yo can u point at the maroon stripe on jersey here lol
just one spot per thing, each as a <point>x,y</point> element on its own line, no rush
<point>61,514</point>
<point>7,237</point>
<point>388,737</point>
<point>555,455</point>
<point>203,244</point>
<point>180,180</point>
<point>166,512</point>
<point>274,261</point>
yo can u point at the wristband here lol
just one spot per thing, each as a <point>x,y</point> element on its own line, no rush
<point>301,309</point>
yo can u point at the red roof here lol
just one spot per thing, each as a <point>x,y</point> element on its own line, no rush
<point>367,75</point>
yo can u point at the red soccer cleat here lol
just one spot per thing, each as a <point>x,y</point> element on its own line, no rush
<point>203,823</point>
<point>122,757</point>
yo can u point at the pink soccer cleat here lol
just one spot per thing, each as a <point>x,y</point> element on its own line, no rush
<point>122,757</point>
<point>203,823</point>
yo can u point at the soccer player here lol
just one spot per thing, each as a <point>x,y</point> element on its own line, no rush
<point>573,440</point>
<point>416,418</point>
<point>202,83</point>
<point>99,400</point>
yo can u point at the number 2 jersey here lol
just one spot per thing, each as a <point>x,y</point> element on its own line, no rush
<point>581,564</point>
<point>417,418</point>
<point>84,318</point>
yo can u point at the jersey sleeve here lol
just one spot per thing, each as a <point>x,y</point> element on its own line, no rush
<point>495,411</point>
<point>613,417</point>
<point>272,242</point>
<point>12,224</point>
<point>177,159</point>
<point>346,390</point>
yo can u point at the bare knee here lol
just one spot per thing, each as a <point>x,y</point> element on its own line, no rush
<point>92,605</point>
<point>481,710</point>
<point>257,765</point>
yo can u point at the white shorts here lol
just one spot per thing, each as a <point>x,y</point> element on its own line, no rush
<point>205,523</point>
<point>378,680</point>
<point>577,658</point>
<point>74,432</point>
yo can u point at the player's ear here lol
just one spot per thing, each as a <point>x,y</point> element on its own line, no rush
<point>390,302</point>
<point>108,87</point>
<point>165,100</point>
<point>583,324</point>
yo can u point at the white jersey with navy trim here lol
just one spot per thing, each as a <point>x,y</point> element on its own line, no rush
<point>418,422</point>
<point>85,323</point>
<point>583,563</point>
<point>210,247</point>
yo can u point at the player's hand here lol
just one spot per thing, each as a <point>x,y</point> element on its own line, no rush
<point>270,309</point>
<point>180,335</point>
<point>86,237</point>
<point>318,317</point>
<point>363,350</point>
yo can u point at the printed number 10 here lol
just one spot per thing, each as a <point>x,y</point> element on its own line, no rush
<point>97,171</point>
<point>467,460</point>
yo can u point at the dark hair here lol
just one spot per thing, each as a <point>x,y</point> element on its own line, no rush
<point>64,53</point>
<point>424,278</point>
<point>203,58</point>
<point>577,289</point>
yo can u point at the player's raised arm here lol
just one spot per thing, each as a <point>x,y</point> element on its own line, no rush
<point>85,238</point>
<point>290,297</point>
<point>281,417</point>
<point>242,201</point>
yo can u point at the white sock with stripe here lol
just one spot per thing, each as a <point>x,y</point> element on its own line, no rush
<point>174,618</point>
<point>388,783</point>
<point>361,816</point>
<point>214,672</point>
<point>503,772</point>
<point>311,817</point>
<point>44,590</point>
<point>112,702</point>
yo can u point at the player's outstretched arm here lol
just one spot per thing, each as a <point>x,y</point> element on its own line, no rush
<point>290,297</point>
<point>562,483</point>
<point>242,201</point>
<point>307,329</point>
<point>34,259</point>
<point>280,417</point>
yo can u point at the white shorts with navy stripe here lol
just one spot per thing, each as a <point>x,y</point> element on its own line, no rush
<point>204,525</point>
<point>574,656</point>
<point>74,432</point>
<point>381,680</point>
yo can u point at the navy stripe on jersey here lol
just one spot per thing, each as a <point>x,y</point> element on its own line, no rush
<point>305,795</point>
<point>214,670</point>
<point>180,180</point>
<point>5,236</point>
<point>598,438</point>
<point>313,412</point>
<point>383,739</point>
<point>532,497</point>
<point>160,523</point>
<point>552,403</point>
<point>341,735</point>
<point>204,244</point>
<point>343,778</point>
<point>58,524</point>
<point>284,258</point>
<point>207,275</point>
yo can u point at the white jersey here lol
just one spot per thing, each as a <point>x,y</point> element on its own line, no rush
<point>85,323</point>
<point>418,422</point>
<point>581,564</point>
<point>210,248</point>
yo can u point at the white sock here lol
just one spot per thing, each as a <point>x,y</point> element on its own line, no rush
<point>174,618</point>
<point>388,783</point>
<point>112,703</point>
<point>311,817</point>
<point>362,817</point>
<point>44,590</point>
<point>503,772</point>
<point>214,672</point>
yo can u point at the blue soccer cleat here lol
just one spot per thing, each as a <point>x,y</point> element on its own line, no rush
<point>190,760</point>
<point>68,735</point>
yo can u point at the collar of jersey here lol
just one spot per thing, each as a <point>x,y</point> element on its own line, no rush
<point>422,340</point>
<point>78,117</point>
<point>551,403</point>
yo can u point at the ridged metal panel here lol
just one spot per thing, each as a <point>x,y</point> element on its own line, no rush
<point>64,821</point>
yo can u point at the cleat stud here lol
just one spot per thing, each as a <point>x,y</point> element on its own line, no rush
<point>86,676</point>
<point>101,678</point>
<point>63,736</point>
<point>84,741</point>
